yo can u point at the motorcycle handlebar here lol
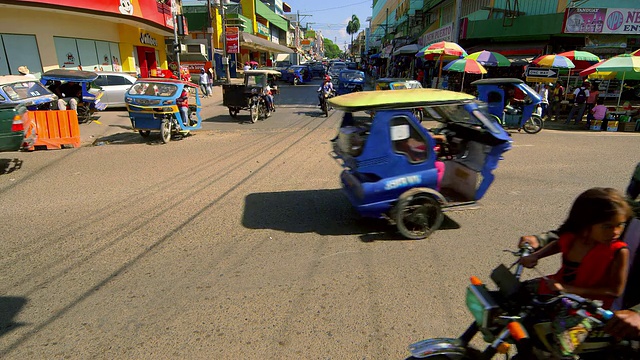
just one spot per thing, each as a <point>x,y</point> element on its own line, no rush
<point>593,306</point>
<point>525,250</point>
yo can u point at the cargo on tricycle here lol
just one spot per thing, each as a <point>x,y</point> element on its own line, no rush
<point>169,106</point>
<point>396,169</point>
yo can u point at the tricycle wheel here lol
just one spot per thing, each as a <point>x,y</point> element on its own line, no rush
<point>84,114</point>
<point>233,112</point>
<point>325,108</point>
<point>144,133</point>
<point>533,125</point>
<point>254,112</point>
<point>165,131</point>
<point>418,214</point>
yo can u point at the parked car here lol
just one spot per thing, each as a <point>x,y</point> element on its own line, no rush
<point>115,85</point>
<point>318,70</point>
<point>15,129</point>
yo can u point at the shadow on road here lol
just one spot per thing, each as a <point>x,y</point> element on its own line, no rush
<point>324,212</point>
<point>130,138</point>
<point>7,166</point>
<point>10,306</point>
<point>226,118</point>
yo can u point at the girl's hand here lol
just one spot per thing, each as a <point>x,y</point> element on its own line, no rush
<point>529,261</point>
<point>556,286</point>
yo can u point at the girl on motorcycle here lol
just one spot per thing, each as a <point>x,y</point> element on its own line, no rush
<point>594,259</point>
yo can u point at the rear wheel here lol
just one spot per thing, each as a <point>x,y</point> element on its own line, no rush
<point>254,112</point>
<point>533,125</point>
<point>84,114</point>
<point>165,131</point>
<point>418,214</point>
<point>325,108</point>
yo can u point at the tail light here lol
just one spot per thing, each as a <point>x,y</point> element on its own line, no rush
<point>18,124</point>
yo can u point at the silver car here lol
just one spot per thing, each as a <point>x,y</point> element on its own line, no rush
<point>115,85</point>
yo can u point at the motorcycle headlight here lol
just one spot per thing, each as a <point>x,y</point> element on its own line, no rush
<point>254,91</point>
<point>481,305</point>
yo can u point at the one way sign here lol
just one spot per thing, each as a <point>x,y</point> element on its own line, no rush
<point>534,74</point>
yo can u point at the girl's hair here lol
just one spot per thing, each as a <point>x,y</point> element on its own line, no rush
<point>595,206</point>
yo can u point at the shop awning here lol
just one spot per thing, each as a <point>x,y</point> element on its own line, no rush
<point>511,48</point>
<point>258,43</point>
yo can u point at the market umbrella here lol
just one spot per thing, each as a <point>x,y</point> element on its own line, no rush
<point>555,61</point>
<point>636,53</point>
<point>442,50</point>
<point>489,58</point>
<point>464,66</point>
<point>407,49</point>
<point>578,57</point>
<point>625,66</point>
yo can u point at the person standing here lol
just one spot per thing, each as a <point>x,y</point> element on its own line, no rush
<point>204,83</point>
<point>544,94</point>
<point>556,105</point>
<point>24,71</point>
<point>591,102</point>
<point>183,105</point>
<point>581,95</point>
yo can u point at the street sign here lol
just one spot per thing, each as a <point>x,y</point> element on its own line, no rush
<point>534,74</point>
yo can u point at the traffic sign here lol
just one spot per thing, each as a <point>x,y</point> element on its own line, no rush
<point>534,74</point>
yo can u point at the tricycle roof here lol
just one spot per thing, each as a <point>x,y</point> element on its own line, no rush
<point>497,81</point>
<point>262,72</point>
<point>69,75</point>
<point>410,98</point>
<point>10,79</point>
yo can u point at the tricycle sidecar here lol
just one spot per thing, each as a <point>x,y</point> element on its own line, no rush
<point>250,95</point>
<point>392,168</point>
<point>89,101</point>
<point>350,81</point>
<point>153,106</point>
<point>495,92</point>
<point>298,74</point>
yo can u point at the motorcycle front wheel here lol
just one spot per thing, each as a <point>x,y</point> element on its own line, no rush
<point>533,125</point>
<point>165,131</point>
<point>325,108</point>
<point>254,112</point>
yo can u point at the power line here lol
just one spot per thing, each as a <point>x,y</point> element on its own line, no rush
<point>340,7</point>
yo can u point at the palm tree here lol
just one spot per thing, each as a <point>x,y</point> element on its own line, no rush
<point>352,28</point>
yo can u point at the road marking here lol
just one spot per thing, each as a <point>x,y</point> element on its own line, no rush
<point>341,252</point>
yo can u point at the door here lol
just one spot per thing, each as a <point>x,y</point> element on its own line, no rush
<point>117,87</point>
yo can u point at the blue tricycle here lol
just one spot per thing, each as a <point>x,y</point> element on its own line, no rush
<point>396,169</point>
<point>89,101</point>
<point>495,93</point>
<point>298,74</point>
<point>152,106</point>
<point>350,81</point>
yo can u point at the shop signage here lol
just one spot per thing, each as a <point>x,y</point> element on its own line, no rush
<point>232,35</point>
<point>541,75</point>
<point>444,33</point>
<point>147,39</point>
<point>156,11</point>
<point>263,30</point>
<point>602,21</point>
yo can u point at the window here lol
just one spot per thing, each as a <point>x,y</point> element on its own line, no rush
<point>407,140</point>
<point>101,80</point>
<point>117,80</point>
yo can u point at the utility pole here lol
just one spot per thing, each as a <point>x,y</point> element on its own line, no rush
<point>210,31</point>
<point>456,22</point>
<point>225,59</point>
<point>176,42</point>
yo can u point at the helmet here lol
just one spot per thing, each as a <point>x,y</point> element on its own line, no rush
<point>327,78</point>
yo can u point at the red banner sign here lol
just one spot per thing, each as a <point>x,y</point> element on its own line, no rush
<point>157,11</point>
<point>233,40</point>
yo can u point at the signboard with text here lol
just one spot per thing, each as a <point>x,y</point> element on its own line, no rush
<point>444,33</point>
<point>534,74</point>
<point>602,21</point>
<point>157,11</point>
<point>233,40</point>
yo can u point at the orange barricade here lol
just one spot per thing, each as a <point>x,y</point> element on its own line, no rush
<point>55,128</point>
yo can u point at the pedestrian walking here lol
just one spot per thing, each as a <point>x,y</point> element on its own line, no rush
<point>591,102</point>
<point>204,83</point>
<point>581,95</point>
<point>544,95</point>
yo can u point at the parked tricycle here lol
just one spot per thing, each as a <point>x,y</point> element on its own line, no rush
<point>153,106</point>
<point>498,92</point>
<point>250,95</point>
<point>350,81</point>
<point>26,91</point>
<point>298,74</point>
<point>392,168</point>
<point>66,81</point>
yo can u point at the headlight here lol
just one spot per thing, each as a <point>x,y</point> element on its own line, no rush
<point>128,100</point>
<point>481,305</point>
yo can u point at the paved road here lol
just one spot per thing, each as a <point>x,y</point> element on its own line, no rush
<point>237,243</point>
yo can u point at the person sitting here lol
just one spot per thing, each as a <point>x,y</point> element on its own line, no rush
<point>268,95</point>
<point>71,95</point>
<point>599,112</point>
<point>594,259</point>
<point>512,103</point>
<point>54,87</point>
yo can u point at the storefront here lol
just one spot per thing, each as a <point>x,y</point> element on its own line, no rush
<point>102,35</point>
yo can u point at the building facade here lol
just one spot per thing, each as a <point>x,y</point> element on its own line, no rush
<point>126,35</point>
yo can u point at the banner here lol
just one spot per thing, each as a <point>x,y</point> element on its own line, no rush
<point>233,40</point>
<point>442,34</point>
<point>157,11</point>
<point>602,21</point>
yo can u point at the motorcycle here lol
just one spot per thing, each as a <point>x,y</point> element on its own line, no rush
<point>324,105</point>
<point>513,315</point>
<point>258,108</point>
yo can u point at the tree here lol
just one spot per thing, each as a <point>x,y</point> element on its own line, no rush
<point>331,50</point>
<point>352,28</point>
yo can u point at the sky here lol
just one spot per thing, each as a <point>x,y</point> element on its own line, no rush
<point>328,16</point>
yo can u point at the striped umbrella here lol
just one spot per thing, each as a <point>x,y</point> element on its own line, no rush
<point>554,61</point>
<point>636,53</point>
<point>442,50</point>
<point>625,64</point>
<point>489,58</point>
<point>464,66</point>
